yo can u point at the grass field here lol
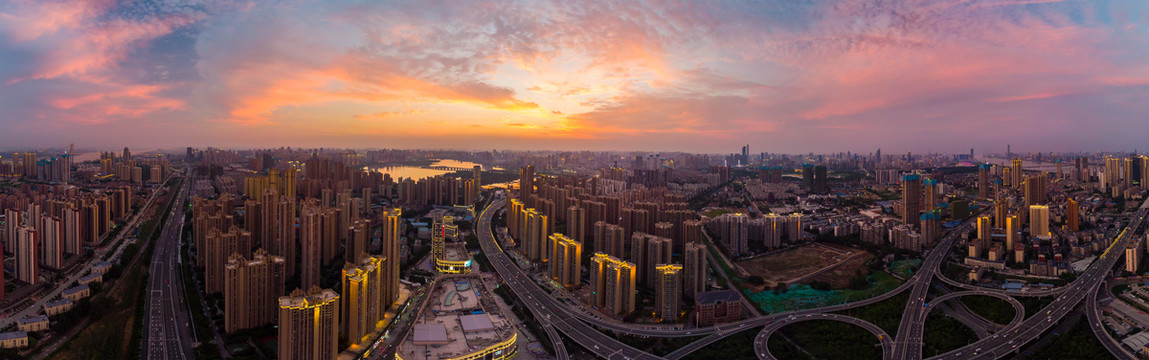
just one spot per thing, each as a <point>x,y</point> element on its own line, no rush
<point>109,336</point>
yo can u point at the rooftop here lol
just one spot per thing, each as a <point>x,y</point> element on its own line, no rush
<point>711,297</point>
<point>13,335</point>
<point>74,290</point>
<point>33,319</point>
<point>458,317</point>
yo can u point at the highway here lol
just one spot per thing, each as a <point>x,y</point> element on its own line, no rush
<point>1093,312</point>
<point>548,311</point>
<point>165,337</point>
<point>100,254</point>
<point>763,351</point>
<point>1010,338</point>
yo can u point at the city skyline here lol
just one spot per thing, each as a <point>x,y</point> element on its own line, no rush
<point>922,76</point>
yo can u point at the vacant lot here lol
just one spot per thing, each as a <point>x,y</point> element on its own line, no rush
<point>798,263</point>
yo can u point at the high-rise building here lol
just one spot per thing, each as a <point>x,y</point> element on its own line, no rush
<point>668,291</point>
<point>614,281</point>
<point>1012,231</point>
<point>576,224</point>
<point>820,184</point>
<point>477,176</point>
<point>1000,212</point>
<point>285,242</point>
<point>694,277</point>
<point>252,289</point>
<point>983,181</point>
<point>984,234</point>
<point>1016,172</point>
<point>360,307</point>
<point>930,194</point>
<point>808,176</point>
<point>659,250</point>
<point>526,182</point>
<point>218,248</point>
<point>1006,177</point>
<point>392,217</point>
<point>794,227</point>
<point>310,238</point>
<point>732,230</point>
<point>27,254</point>
<point>911,198</point>
<point>1039,221</point>
<point>73,231</point>
<point>360,232</point>
<point>309,325</point>
<point>1072,215</point>
<point>609,239</point>
<point>535,239</point>
<point>1035,189</point>
<point>566,260</point>
<point>51,242</point>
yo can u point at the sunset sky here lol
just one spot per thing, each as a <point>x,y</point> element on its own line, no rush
<point>782,76</point>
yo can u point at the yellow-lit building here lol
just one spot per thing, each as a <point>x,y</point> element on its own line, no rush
<point>309,325</point>
<point>668,291</point>
<point>566,260</point>
<point>1039,221</point>
<point>614,282</point>
<point>361,290</point>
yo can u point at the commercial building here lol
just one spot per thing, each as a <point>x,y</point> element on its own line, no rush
<point>309,325</point>
<point>458,320</point>
<point>717,307</point>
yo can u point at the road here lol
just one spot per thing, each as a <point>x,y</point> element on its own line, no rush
<point>547,310</point>
<point>763,351</point>
<point>1007,340</point>
<point>99,255</point>
<point>168,334</point>
<point>1093,311</point>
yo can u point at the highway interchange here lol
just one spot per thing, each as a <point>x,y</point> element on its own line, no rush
<point>573,322</point>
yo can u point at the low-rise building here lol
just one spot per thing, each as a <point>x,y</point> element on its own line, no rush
<point>32,323</point>
<point>77,293</point>
<point>101,268</point>
<point>13,339</point>
<point>91,278</point>
<point>460,320</point>
<point>58,306</point>
<point>716,307</point>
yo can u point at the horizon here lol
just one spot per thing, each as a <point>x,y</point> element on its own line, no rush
<point>922,76</point>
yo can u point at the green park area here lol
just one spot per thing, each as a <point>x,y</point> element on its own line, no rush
<point>803,296</point>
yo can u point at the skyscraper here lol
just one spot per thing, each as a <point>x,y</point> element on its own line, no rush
<point>576,224</point>
<point>668,291</point>
<point>309,325</point>
<point>1012,231</point>
<point>51,242</point>
<point>360,231</point>
<point>820,184</point>
<point>808,176</point>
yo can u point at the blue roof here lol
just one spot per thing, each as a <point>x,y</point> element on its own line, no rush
<point>910,177</point>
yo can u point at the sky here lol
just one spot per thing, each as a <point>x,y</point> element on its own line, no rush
<point>780,75</point>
